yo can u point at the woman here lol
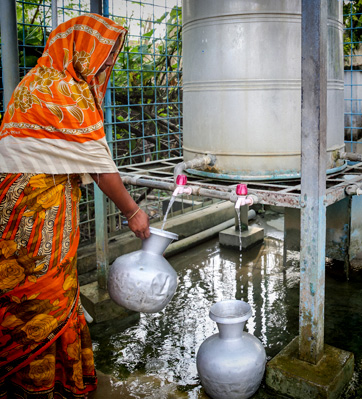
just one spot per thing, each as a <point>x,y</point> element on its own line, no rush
<point>51,135</point>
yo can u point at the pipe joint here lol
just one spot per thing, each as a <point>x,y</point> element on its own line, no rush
<point>354,189</point>
<point>195,163</point>
<point>351,156</point>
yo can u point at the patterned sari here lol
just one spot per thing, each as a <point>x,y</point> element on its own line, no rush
<point>44,339</point>
<point>52,134</point>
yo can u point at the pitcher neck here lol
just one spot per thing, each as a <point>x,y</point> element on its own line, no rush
<point>158,241</point>
<point>231,331</point>
<point>156,244</point>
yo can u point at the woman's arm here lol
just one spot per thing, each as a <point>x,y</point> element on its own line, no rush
<point>111,184</point>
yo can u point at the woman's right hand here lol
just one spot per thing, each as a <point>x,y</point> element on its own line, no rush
<point>140,224</point>
<point>111,184</point>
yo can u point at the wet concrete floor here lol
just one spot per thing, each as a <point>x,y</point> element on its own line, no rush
<point>153,355</point>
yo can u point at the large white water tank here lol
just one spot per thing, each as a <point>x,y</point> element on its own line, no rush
<point>242,87</point>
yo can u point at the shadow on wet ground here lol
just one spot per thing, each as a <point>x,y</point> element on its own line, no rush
<point>154,355</point>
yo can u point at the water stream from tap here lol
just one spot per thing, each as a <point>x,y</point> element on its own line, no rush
<point>239,221</point>
<point>172,200</point>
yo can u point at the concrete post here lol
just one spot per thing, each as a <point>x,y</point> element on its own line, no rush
<point>313,180</point>
<point>9,47</point>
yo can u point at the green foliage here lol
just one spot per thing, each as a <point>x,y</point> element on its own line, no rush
<point>147,77</point>
<point>34,27</point>
<point>352,18</point>
<point>31,32</point>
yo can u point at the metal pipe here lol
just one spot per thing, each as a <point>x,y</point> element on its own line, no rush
<point>288,200</point>
<point>162,185</point>
<point>195,190</point>
<point>196,163</point>
<point>96,7</point>
<point>9,48</point>
<point>100,204</point>
<point>313,180</point>
<point>265,197</point>
<point>354,189</point>
<point>351,156</point>
<point>101,237</point>
<point>106,8</point>
<point>54,14</point>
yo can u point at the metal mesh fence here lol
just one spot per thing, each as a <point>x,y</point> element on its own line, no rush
<point>144,103</point>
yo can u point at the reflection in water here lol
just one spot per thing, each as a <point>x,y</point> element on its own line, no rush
<point>164,345</point>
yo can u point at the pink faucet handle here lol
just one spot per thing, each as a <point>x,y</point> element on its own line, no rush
<point>181,180</point>
<point>241,189</point>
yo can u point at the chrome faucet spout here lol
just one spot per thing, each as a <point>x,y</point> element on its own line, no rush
<point>243,200</point>
<point>179,190</point>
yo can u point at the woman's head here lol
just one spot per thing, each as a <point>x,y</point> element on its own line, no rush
<point>65,89</point>
<point>83,50</point>
<point>83,46</point>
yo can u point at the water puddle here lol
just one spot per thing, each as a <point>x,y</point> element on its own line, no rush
<point>154,356</point>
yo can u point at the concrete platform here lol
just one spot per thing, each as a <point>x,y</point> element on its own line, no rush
<point>230,237</point>
<point>100,306</point>
<point>289,376</point>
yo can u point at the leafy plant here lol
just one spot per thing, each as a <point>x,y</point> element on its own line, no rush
<point>147,81</point>
<point>352,18</point>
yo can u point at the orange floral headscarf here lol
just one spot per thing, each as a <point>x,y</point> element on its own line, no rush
<point>55,116</point>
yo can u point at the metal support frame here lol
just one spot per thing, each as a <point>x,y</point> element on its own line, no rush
<point>54,14</point>
<point>109,133</point>
<point>96,6</point>
<point>100,204</point>
<point>9,46</point>
<point>160,175</point>
<point>313,180</point>
<point>101,237</point>
<point>109,136</point>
